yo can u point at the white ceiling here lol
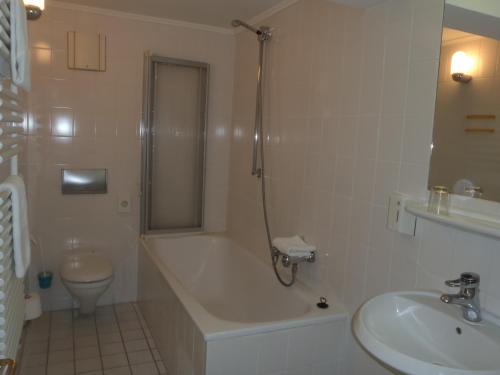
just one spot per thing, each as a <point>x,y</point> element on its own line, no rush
<point>208,12</point>
<point>451,35</point>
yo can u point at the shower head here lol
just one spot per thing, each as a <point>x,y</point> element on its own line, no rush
<point>263,32</point>
<point>237,23</point>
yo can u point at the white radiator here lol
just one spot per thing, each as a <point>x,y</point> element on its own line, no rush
<point>4,38</point>
<point>11,288</point>
<point>12,109</point>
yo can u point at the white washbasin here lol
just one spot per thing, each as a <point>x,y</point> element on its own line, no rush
<point>417,334</point>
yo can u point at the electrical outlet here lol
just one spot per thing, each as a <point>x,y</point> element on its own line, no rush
<point>124,204</point>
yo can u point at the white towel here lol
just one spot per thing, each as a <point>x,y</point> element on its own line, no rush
<point>293,246</point>
<point>19,47</point>
<point>20,229</point>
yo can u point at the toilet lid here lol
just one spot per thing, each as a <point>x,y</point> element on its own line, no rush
<point>86,267</point>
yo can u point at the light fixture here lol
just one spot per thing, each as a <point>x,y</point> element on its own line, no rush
<point>461,66</point>
<point>34,8</point>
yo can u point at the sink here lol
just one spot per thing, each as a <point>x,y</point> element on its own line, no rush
<point>417,334</point>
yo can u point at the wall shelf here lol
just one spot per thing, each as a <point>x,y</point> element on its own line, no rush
<point>471,221</point>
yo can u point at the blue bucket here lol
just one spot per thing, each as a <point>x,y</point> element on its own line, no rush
<point>45,279</point>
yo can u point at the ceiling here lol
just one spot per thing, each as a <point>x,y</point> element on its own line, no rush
<point>208,12</point>
<point>451,35</point>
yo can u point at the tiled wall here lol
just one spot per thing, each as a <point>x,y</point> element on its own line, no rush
<point>314,349</point>
<point>91,120</point>
<point>460,154</point>
<point>349,118</point>
<point>179,341</point>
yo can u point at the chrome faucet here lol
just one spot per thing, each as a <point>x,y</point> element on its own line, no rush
<point>467,297</point>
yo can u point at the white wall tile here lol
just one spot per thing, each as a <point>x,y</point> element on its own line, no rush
<point>232,356</point>
<point>272,352</point>
<point>422,83</point>
<point>91,120</point>
<point>360,248</point>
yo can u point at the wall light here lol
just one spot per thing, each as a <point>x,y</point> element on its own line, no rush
<point>34,8</point>
<point>461,65</point>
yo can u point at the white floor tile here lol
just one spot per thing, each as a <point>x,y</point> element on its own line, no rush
<point>136,334</point>
<point>136,345</point>
<point>86,353</point>
<point>115,360</point>
<point>114,341</point>
<point>60,344</point>
<point>35,360</point>
<point>144,369</point>
<point>87,365</point>
<point>61,369</point>
<point>61,356</point>
<point>118,371</point>
<point>112,348</point>
<point>107,338</point>
<point>140,357</point>
<point>85,342</point>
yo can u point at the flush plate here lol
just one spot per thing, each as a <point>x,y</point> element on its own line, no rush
<point>84,181</point>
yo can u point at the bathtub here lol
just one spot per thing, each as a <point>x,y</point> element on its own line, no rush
<point>215,309</point>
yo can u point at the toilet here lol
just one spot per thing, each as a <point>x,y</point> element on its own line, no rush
<point>86,275</point>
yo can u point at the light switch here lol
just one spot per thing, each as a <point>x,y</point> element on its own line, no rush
<point>398,219</point>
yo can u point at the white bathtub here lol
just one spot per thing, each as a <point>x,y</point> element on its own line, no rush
<point>215,309</point>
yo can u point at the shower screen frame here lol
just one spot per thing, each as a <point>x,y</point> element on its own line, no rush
<point>147,123</point>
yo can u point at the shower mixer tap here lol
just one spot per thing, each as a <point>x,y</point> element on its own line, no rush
<point>287,260</point>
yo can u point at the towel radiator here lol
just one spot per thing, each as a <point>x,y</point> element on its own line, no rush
<point>12,113</point>
<point>4,38</point>
<point>11,287</point>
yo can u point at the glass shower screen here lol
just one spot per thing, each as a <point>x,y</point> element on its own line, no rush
<point>174,145</point>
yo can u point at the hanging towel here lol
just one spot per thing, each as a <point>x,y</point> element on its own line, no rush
<point>293,246</point>
<point>20,230</point>
<point>19,53</point>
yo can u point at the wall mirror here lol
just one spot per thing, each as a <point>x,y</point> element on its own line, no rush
<point>466,139</point>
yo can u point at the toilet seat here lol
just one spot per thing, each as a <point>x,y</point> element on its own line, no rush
<point>86,268</point>
<point>88,285</point>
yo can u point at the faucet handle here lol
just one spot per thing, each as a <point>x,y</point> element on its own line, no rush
<point>454,283</point>
<point>466,280</point>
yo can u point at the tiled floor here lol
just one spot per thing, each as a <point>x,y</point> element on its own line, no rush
<point>114,341</point>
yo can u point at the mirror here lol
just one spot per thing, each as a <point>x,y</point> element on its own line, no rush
<point>466,139</point>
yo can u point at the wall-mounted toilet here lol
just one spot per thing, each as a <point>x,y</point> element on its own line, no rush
<point>86,275</point>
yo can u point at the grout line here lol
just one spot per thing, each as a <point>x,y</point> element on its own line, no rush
<point>73,327</point>
<point>98,342</point>
<point>139,316</point>
<point>48,342</point>
<point>121,336</point>
<point>74,317</point>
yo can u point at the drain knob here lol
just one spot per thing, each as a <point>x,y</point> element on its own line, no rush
<point>322,303</point>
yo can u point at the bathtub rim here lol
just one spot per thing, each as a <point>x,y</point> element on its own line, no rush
<point>213,328</point>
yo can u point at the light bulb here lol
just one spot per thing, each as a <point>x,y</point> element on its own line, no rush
<point>34,8</point>
<point>461,66</point>
<point>36,3</point>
